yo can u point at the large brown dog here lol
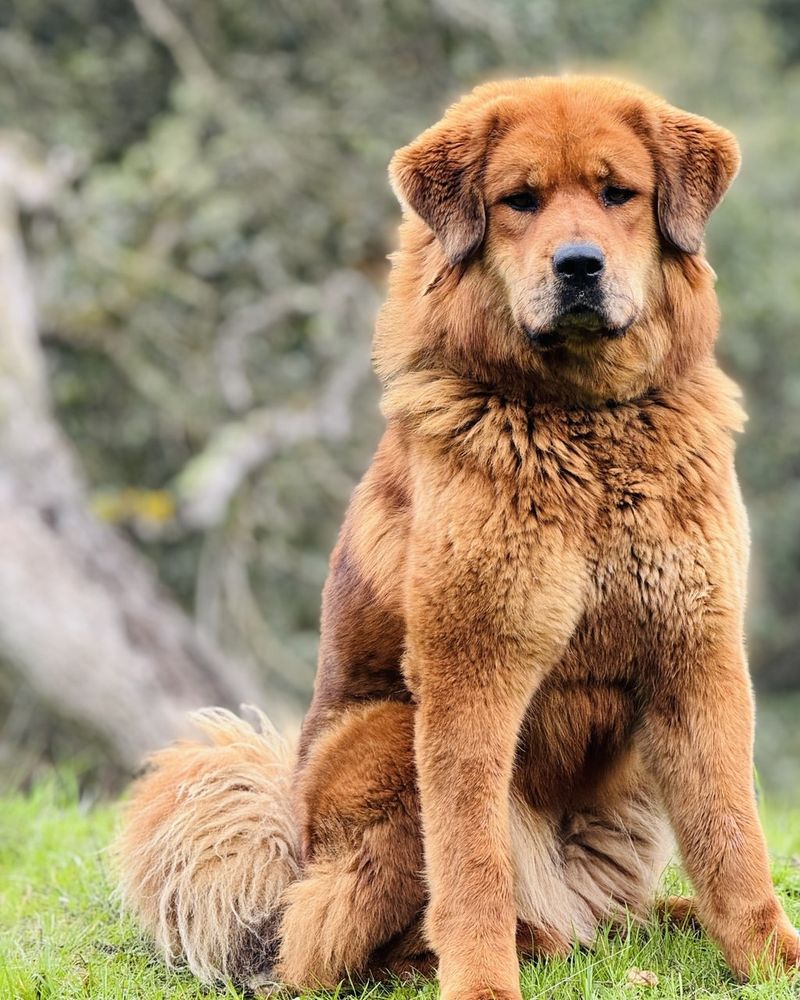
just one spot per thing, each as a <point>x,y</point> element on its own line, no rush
<point>532,665</point>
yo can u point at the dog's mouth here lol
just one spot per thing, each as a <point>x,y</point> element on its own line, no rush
<point>578,324</point>
<point>580,319</point>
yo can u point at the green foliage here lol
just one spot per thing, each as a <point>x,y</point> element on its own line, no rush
<point>221,250</point>
<point>61,934</point>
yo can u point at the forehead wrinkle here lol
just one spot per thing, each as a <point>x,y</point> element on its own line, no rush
<point>558,145</point>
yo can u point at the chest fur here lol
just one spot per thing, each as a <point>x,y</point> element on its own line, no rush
<point>643,494</point>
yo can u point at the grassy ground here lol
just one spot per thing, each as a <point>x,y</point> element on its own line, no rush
<point>61,935</point>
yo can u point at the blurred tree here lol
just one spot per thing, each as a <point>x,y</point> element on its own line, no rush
<point>207,282</point>
<point>83,624</point>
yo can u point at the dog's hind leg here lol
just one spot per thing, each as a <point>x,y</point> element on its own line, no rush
<point>362,884</point>
<point>405,956</point>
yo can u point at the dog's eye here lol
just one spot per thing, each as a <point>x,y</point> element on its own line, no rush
<point>617,195</point>
<point>522,201</point>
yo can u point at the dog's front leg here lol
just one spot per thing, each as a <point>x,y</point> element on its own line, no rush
<point>698,740</point>
<point>465,740</point>
<point>482,632</point>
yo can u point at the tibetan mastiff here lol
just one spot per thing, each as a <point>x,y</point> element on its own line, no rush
<point>532,674</point>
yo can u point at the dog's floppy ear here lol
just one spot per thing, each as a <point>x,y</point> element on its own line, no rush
<point>439,175</point>
<point>696,163</point>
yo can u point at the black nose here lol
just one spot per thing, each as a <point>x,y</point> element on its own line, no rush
<point>578,262</point>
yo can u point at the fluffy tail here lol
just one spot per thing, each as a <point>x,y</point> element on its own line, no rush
<point>208,846</point>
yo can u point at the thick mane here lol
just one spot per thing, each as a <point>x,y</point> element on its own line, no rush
<point>443,323</point>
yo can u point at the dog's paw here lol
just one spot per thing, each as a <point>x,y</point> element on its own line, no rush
<point>480,993</point>
<point>792,952</point>
<point>322,938</point>
<point>680,911</point>
<point>779,952</point>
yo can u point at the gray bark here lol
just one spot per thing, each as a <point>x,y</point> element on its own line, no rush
<point>83,620</point>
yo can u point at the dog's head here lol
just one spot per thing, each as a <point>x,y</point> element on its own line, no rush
<point>563,201</point>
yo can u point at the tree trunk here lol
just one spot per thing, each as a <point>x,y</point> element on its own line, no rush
<point>83,621</point>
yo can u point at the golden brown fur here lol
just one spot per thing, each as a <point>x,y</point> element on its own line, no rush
<point>532,667</point>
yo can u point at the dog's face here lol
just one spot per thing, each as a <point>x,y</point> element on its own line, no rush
<point>567,195</point>
<point>570,227</point>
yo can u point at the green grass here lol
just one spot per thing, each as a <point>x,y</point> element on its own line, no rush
<point>61,934</point>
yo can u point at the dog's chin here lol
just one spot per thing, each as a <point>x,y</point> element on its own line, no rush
<point>578,328</point>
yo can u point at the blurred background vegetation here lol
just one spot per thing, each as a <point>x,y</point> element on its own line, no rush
<point>207,272</point>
